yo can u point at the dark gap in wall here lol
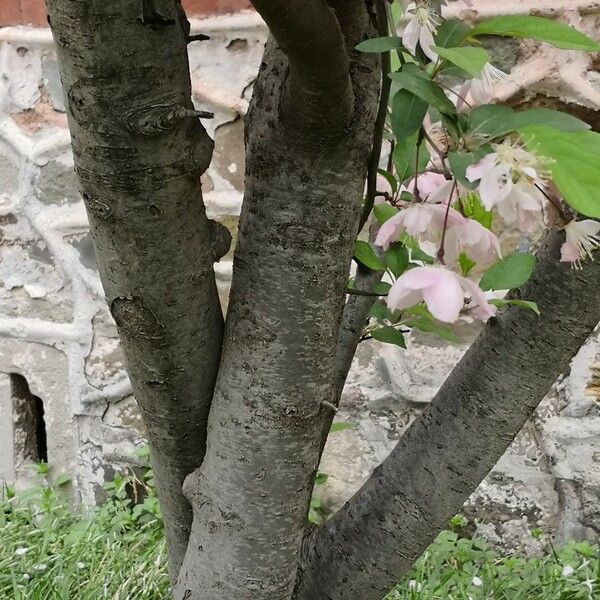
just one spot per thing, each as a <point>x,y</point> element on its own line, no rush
<point>29,432</point>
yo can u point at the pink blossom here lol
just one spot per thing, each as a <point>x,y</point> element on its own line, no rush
<point>445,193</point>
<point>582,239</point>
<point>427,183</point>
<point>522,206</point>
<point>443,292</point>
<point>476,241</point>
<point>419,221</point>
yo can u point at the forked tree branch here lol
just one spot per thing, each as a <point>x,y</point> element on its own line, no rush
<point>297,228</point>
<point>375,538</point>
<point>318,95</point>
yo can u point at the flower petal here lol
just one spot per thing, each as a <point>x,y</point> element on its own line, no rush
<point>427,183</point>
<point>388,232</point>
<point>427,42</point>
<point>410,36</point>
<point>478,170</point>
<point>495,186</point>
<point>444,298</point>
<point>479,305</point>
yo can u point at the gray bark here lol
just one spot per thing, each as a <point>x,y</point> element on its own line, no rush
<point>297,229</point>
<point>376,537</point>
<point>139,152</point>
<point>354,320</point>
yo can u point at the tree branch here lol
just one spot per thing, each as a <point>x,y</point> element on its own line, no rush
<point>296,233</point>
<point>384,98</point>
<point>139,151</point>
<point>318,96</point>
<point>376,537</point>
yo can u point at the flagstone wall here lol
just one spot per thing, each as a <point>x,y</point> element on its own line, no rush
<point>61,369</point>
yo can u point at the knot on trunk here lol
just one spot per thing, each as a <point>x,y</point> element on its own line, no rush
<point>154,120</point>
<point>135,320</point>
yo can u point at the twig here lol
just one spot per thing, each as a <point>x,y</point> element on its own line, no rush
<point>416,185</point>
<point>386,84</point>
<point>354,292</point>
<point>442,251</point>
<point>567,218</point>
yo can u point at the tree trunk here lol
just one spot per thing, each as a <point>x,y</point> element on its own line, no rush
<point>297,228</point>
<point>376,537</point>
<point>139,152</point>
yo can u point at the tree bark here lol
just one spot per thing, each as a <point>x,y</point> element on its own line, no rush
<point>297,229</point>
<point>354,320</point>
<point>376,537</point>
<point>139,152</point>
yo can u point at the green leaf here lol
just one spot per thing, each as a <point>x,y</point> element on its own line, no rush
<point>537,28</point>
<point>469,59</point>
<point>451,33</point>
<point>522,303</point>
<point>379,311</point>
<point>316,502</point>
<point>408,112</point>
<point>340,427</point>
<point>396,258</point>
<point>389,335</point>
<point>493,120</point>
<point>428,325</point>
<point>364,253</point>
<point>466,264</point>
<point>415,250</point>
<point>405,158</point>
<point>573,166</point>
<point>321,478</point>
<point>497,120</point>
<point>381,288</point>
<point>508,273</point>
<point>383,212</point>
<point>416,81</point>
<point>380,44</point>
<point>62,479</point>
<point>474,209</point>
<point>548,118</point>
<point>390,179</point>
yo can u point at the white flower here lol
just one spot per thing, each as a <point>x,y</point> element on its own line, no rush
<point>40,567</point>
<point>21,551</point>
<point>415,585</point>
<point>80,565</point>
<point>568,571</point>
<point>477,581</point>
<point>482,88</point>
<point>507,180</point>
<point>25,576</point>
<point>420,29</point>
<point>583,237</point>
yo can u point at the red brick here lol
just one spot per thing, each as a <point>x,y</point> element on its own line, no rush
<point>211,7</point>
<point>32,12</point>
<point>10,12</point>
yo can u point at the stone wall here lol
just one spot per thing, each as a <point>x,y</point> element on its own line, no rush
<point>58,345</point>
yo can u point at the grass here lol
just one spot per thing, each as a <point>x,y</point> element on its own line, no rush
<point>117,551</point>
